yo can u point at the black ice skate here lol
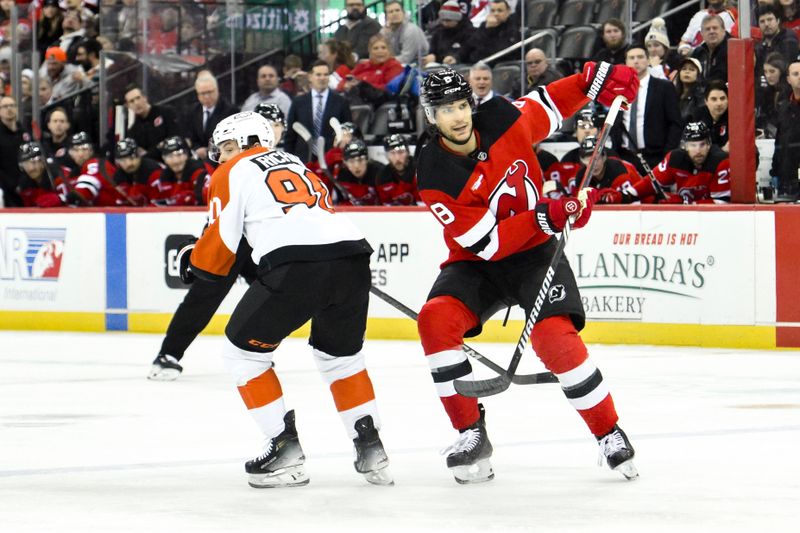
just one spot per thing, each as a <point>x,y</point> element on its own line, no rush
<point>281,464</point>
<point>618,453</point>
<point>165,368</point>
<point>468,457</point>
<point>371,459</point>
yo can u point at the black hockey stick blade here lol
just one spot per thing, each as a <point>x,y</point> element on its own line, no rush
<point>483,387</point>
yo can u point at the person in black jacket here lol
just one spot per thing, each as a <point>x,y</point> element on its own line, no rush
<point>152,124</point>
<point>714,114</point>
<point>450,34</point>
<point>499,31</point>
<point>204,116</point>
<point>786,158</point>
<point>612,38</point>
<point>357,28</point>
<point>713,53</point>
<point>11,138</point>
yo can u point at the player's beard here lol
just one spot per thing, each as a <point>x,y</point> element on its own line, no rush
<point>456,141</point>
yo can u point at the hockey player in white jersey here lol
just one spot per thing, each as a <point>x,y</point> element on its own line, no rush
<point>313,265</point>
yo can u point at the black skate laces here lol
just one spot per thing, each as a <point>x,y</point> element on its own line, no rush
<point>465,442</point>
<point>609,445</point>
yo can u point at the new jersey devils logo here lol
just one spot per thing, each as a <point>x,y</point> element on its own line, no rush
<point>515,193</point>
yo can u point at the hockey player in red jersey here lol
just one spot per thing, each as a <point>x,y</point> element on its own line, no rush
<point>313,265</point>
<point>613,178</point>
<point>480,178</point>
<point>35,187</point>
<point>359,175</point>
<point>183,180</point>
<point>396,183</point>
<point>93,182</point>
<point>134,172</point>
<point>696,173</point>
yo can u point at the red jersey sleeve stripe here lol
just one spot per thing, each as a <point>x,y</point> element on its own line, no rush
<point>478,231</point>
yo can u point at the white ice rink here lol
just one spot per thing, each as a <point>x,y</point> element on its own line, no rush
<point>88,444</point>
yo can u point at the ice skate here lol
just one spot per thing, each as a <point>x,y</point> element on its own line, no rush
<point>371,459</point>
<point>468,457</point>
<point>165,368</point>
<point>281,464</point>
<point>618,453</point>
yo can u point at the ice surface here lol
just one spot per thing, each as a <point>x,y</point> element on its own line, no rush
<point>88,444</point>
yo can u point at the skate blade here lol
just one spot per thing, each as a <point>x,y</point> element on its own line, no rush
<point>293,476</point>
<point>627,469</point>
<point>163,374</point>
<point>479,472</point>
<point>379,477</point>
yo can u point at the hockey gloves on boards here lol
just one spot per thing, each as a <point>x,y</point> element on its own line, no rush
<point>604,82</point>
<point>552,215</point>
<point>182,260</point>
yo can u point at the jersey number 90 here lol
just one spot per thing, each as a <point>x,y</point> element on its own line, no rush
<point>291,188</point>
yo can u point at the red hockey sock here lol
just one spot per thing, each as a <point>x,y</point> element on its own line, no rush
<point>558,345</point>
<point>442,323</point>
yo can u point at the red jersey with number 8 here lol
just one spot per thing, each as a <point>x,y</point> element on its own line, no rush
<point>485,200</point>
<point>281,208</point>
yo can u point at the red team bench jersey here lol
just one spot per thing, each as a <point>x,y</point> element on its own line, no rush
<point>705,185</point>
<point>485,201</point>
<point>282,209</point>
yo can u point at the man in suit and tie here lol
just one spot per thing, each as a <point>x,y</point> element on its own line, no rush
<point>480,81</point>
<point>314,110</point>
<point>653,118</point>
<point>204,116</point>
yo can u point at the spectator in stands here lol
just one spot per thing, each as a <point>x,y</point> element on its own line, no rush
<point>60,74</point>
<point>204,116</point>
<point>770,95</point>
<point>538,70</point>
<point>407,41</point>
<point>690,86</point>
<point>49,29</point>
<point>713,52</point>
<point>11,138</point>
<point>449,35</point>
<point>185,179</point>
<point>73,34</point>
<point>128,20</point>
<point>693,36</point>
<point>790,17</point>
<point>370,76</point>
<point>498,32</point>
<point>774,37</point>
<point>45,91</point>
<point>359,175</point>
<point>268,91</point>
<point>151,123</point>
<point>26,98</point>
<point>663,61</point>
<point>431,13</point>
<point>134,172</point>
<point>35,187</point>
<point>480,81</point>
<point>653,120</point>
<point>358,28</point>
<point>786,158</point>
<point>612,35</point>
<point>314,110</point>
<point>55,138</point>
<point>109,14</point>
<point>396,183</point>
<point>339,57</point>
<point>715,113</point>
<point>293,75</point>
<point>87,57</point>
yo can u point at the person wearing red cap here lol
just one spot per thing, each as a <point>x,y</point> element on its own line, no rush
<point>59,73</point>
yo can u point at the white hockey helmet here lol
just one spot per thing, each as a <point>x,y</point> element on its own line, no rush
<point>241,127</point>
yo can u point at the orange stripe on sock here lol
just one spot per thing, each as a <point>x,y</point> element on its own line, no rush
<point>352,391</point>
<point>261,390</point>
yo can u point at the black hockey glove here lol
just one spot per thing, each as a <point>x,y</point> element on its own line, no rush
<point>182,259</point>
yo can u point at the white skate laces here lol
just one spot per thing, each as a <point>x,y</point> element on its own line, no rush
<point>465,442</point>
<point>609,445</point>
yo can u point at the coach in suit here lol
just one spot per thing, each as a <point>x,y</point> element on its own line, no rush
<point>653,119</point>
<point>314,110</point>
<point>204,116</point>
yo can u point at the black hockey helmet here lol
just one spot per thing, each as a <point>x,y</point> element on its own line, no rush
<point>127,147</point>
<point>444,87</point>
<point>696,131</point>
<point>353,149</point>
<point>173,144</point>
<point>595,118</point>
<point>80,139</point>
<point>271,112</point>
<point>395,141</point>
<point>354,130</point>
<point>30,150</point>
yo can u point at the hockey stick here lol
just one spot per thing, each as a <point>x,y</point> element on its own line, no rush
<point>488,387</point>
<point>656,185</point>
<point>528,379</point>
<point>304,134</point>
<point>337,128</point>
<point>323,165</point>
